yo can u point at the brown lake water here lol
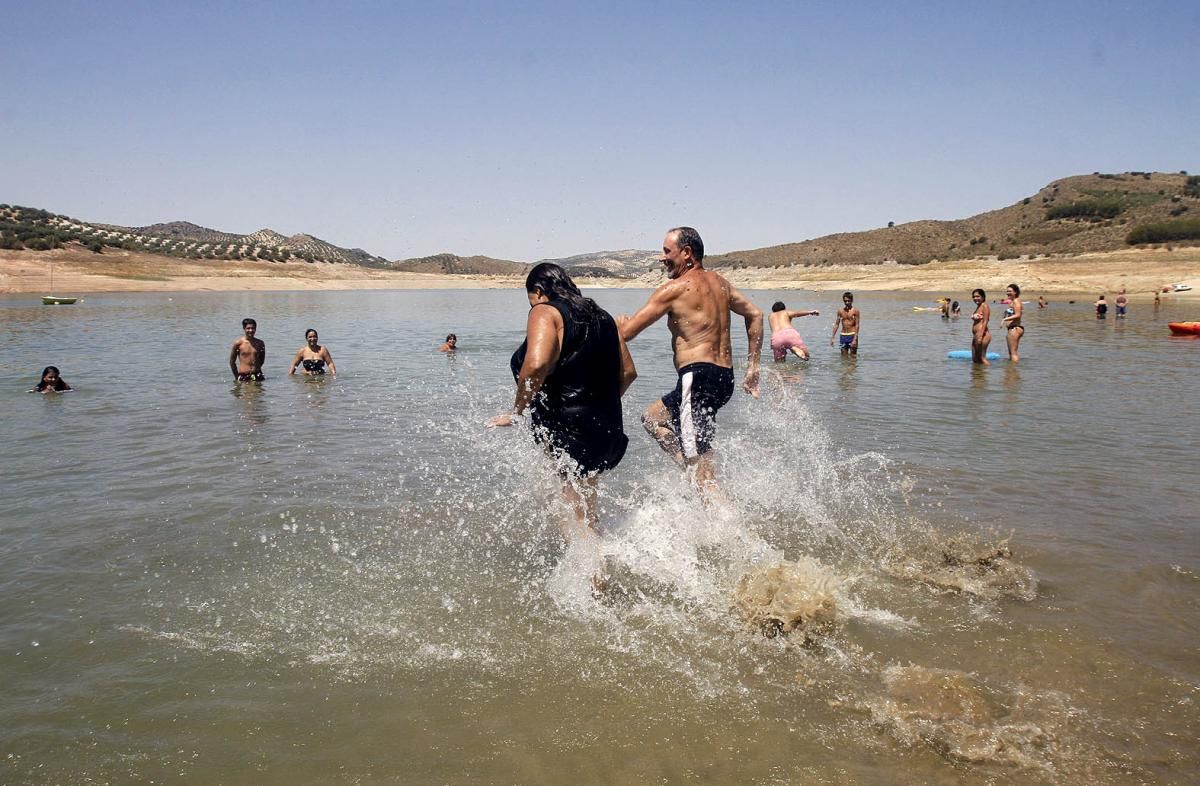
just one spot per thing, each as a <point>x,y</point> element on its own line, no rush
<point>350,581</point>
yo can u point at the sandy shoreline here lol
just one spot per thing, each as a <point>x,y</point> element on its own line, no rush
<point>77,271</point>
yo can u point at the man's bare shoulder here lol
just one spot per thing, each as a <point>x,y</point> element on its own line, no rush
<point>670,290</point>
<point>718,277</point>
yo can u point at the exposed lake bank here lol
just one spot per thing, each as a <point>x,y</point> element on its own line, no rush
<point>77,271</point>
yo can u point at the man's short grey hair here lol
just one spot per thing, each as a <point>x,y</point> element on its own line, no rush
<point>686,237</point>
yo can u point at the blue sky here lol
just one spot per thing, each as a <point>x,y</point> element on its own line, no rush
<point>534,130</point>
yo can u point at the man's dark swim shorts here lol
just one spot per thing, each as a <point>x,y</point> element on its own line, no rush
<point>703,388</point>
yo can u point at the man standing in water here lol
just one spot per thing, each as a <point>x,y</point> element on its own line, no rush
<point>849,320</point>
<point>1122,303</point>
<point>248,354</point>
<point>697,303</point>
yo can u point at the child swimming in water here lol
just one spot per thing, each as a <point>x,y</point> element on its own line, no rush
<point>51,382</point>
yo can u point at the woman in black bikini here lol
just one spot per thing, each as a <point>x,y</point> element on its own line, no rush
<point>1012,321</point>
<point>313,357</point>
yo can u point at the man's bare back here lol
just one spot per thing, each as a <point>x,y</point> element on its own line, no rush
<point>697,304</point>
<point>698,318</point>
<point>782,320</point>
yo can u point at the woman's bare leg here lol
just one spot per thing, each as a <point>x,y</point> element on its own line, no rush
<point>1014,341</point>
<point>581,527</point>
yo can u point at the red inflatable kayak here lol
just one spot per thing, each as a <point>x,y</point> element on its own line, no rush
<point>1185,328</point>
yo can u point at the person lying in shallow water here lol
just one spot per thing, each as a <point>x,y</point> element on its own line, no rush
<point>51,382</point>
<point>313,357</point>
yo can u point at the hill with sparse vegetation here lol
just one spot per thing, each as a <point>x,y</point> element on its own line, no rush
<point>1092,213</point>
<point>41,230</point>
<point>609,264</point>
<point>456,265</point>
<point>1075,215</point>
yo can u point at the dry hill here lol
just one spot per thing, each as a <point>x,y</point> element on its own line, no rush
<point>1082,214</point>
<point>609,264</point>
<point>23,227</point>
<point>456,265</point>
<point>1086,213</point>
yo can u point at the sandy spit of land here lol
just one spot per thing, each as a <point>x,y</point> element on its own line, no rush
<point>78,271</point>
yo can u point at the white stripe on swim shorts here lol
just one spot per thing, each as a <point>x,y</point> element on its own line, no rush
<point>687,423</point>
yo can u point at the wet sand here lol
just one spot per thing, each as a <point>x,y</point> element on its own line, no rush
<point>78,271</point>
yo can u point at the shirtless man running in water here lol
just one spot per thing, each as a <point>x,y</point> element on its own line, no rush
<point>248,354</point>
<point>697,303</point>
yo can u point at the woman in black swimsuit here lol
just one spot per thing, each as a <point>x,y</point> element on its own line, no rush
<point>571,372</point>
<point>313,357</point>
<point>1012,321</point>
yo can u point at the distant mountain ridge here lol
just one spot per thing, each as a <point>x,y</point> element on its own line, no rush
<point>451,264</point>
<point>1080,214</point>
<point>183,238</point>
<point>184,230</point>
<point>600,264</point>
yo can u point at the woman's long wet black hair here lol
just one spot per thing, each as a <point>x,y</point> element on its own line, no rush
<point>555,284</point>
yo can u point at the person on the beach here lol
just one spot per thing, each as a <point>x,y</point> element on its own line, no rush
<point>697,303</point>
<point>981,335</point>
<point>51,382</point>
<point>1122,302</point>
<point>313,357</point>
<point>784,337</point>
<point>248,354</point>
<point>571,372</point>
<point>1012,321</point>
<point>1101,308</point>
<point>451,344</point>
<point>850,321</point>
<point>1157,299</point>
<point>1041,301</point>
